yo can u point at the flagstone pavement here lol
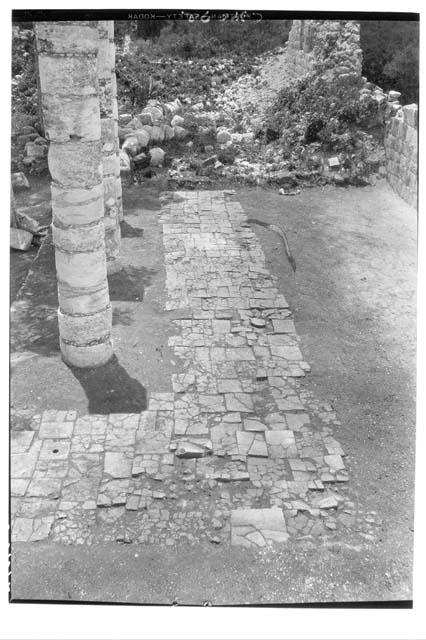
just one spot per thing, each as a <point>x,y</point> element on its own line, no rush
<point>239,453</point>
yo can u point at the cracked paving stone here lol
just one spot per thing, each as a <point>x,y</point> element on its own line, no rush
<point>154,443</point>
<point>211,403</point>
<point>269,523</point>
<point>241,402</point>
<point>251,444</point>
<point>44,488</point>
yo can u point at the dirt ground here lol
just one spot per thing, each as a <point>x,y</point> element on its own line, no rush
<point>353,299</point>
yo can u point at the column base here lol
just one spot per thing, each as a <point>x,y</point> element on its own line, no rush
<point>88,356</point>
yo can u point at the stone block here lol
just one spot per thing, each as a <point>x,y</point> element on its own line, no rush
<point>20,240</point>
<point>75,163</point>
<point>78,118</point>
<point>83,300</point>
<point>81,270</point>
<point>67,38</point>
<point>85,329</point>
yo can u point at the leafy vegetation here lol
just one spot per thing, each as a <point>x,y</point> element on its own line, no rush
<point>24,75</point>
<point>391,56</point>
<point>186,39</point>
<point>322,115</point>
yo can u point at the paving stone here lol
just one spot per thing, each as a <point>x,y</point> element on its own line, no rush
<point>283,326</point>
<point>241,402</point>
<point>117,465</point>
<point>327,503</point>
<point>51,468</point>
<point>22,529</point>
<point>211,403</point>
<point>335,462</point>
<point>113,493</point>
<point>153,443</point>
<point>229,385</point>
<point>23,464</point>
<point>18,486</point>
<point>20,441</point>
<point>44,487</point>
<point>253,425</point>
<point>258,448</point>
<point>41,528</point>
<point>287,353</point>
<point>57,430</point>
<point>190,450</point>
<point>280,438</point>
<point>269,522</point>
<point>52,449</point>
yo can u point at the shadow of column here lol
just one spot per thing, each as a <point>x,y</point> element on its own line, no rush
<point>110,389</point>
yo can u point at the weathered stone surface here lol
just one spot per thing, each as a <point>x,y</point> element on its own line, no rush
<point>56,430</point>
<point>253,425</point>
<point>242,402</point>
<point>20,180</point>
<point>223,136</point>
<point>20,240</point>
<point>157,156</point>
<point>75,165</point>
<point>44,488</point>
<point>187,449</point>
<point>327,503</point>
<point>20,441</point>
<point>256,527</point>
<point>215,453</point>
<point>117,465</point>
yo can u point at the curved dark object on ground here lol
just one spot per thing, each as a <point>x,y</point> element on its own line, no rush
<point>282,235</point>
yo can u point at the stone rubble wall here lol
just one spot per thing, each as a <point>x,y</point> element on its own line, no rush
<point>307,48</point>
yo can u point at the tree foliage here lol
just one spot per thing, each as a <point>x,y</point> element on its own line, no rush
<point>391,56</point>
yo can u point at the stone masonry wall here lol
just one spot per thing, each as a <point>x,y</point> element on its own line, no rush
<point>310,43</point>
<point>299,57</point>
<point>401,152</point>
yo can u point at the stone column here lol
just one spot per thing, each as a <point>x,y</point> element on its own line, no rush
<point>67,56</point>
<point>109,145</point>
<point>115,116</point>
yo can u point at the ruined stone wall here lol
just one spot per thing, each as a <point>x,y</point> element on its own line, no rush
<point>314,42</point>
<point>332,48</point>
<point>299,49</point>
<point>401,152</point>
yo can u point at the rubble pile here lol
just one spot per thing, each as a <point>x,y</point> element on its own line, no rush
<point>29,147</point>
<point>268,126</point>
